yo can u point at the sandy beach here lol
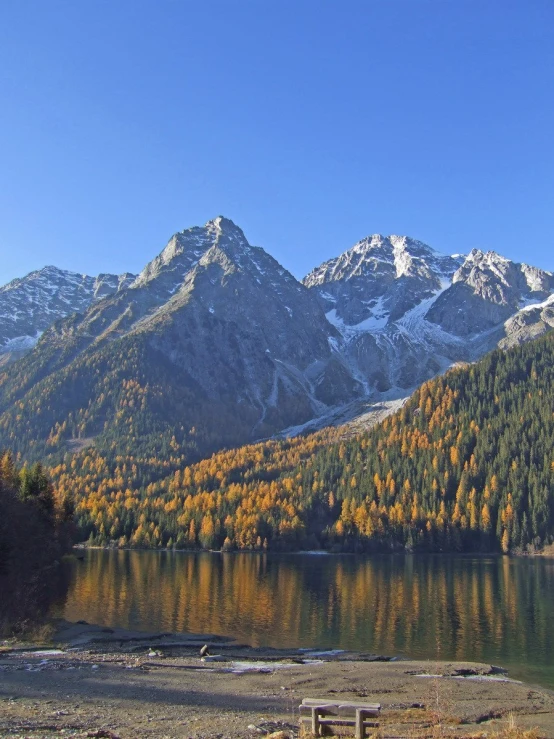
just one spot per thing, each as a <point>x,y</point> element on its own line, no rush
<point>113,683</point>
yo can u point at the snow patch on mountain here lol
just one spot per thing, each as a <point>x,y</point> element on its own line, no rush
<point>21,343</point>
<point>548,303</point>
<point>415,325</point>
<point>375,322</point>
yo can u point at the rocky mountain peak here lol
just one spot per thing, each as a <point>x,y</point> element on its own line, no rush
<point>222,226</point>
<point>185,249</point>
<point>368,256</point>
<point>380,278</point>
<point>500,280</point>
<point>384,256</point>
<point>229,239</point>
<point>489,260</point>
<point>491,276</point>
<point>39,277</point>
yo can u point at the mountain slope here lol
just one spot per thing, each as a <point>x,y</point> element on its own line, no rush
<point>465,465</point>
<point>222,322</point>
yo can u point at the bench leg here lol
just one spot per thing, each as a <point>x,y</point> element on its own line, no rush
<point>360,715</point>
<point>315,722</point>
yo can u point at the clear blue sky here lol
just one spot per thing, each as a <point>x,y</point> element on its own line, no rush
<point>310,123</point>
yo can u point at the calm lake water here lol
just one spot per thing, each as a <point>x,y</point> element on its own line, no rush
<point>498,609</point>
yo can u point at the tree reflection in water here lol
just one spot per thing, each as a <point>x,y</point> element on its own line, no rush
<point>492,609</point>
<point>26,599</point>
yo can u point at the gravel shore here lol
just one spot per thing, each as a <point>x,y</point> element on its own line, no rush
<point>113,683</point>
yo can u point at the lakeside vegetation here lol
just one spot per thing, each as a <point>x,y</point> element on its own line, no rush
<point>466,465</point>
<point>36,530</point>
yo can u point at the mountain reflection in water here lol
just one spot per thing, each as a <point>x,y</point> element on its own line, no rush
<point>493,609</point>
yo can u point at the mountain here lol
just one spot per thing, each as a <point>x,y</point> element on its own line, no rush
<point>406,312</point>
<point>29,305</point>
<point>224,344</point>
<point>381,276</point>
<point>488,290</point>
<point>237,322</point>
<point>214,344</point>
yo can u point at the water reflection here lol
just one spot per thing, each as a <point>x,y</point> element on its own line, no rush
<point>26,598</point>
<point>485,609</point>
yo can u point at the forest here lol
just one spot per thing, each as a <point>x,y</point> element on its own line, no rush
<point>467,464</point>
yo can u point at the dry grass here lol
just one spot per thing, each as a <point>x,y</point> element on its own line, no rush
<point>414,732</point>
<point>31,636</point>
<point>427,724</point>
<point>41,634</point>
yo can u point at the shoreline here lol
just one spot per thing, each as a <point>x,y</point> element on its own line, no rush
<point>546,552</point>
<point>211,597</point>
<point>133,684</point>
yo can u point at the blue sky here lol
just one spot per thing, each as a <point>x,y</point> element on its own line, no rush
<point>310,123</point>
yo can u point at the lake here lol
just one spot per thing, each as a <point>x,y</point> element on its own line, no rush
<point>488,609</point>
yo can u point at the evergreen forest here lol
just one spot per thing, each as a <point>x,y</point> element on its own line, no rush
<point>467,464</point>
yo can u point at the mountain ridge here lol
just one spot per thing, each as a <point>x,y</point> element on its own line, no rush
<point>245,337</point>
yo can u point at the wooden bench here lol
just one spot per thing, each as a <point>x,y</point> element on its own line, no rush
<point>328,712</point>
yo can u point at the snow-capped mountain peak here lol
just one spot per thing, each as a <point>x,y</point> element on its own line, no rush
<point>380,278</point>
<point>406,311</point>
<point>30,304</point>
<point>377,255</point>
